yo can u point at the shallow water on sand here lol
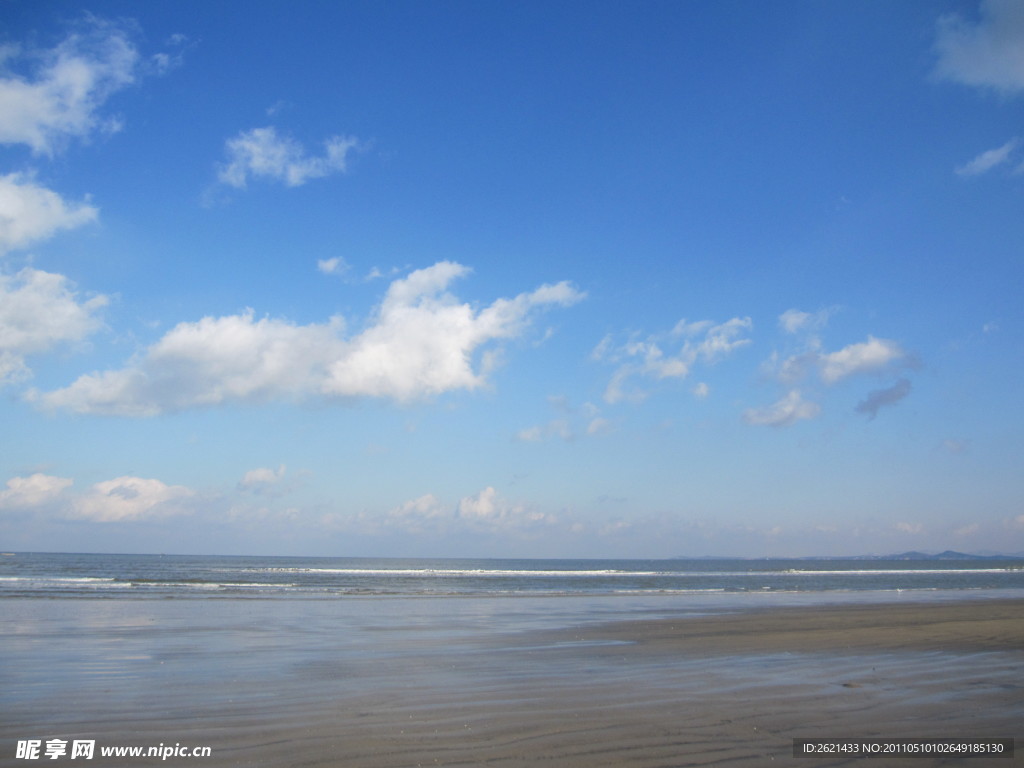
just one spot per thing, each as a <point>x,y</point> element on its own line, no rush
<point>390,681</point>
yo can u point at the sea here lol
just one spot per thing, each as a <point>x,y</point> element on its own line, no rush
<point>227,651</point>
<point>105,577</point>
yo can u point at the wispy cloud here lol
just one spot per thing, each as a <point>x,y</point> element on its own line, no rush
<point>986,53</point>
<point>39,311</point>
<point>486,513</point>
<point>162,62</point>
<point>988,160</point>
<point>796,321</point>
<point>868,356</point>
<point>420,343</point>
<point>335,266</point>
<point>955,446</point>
<point>262,480</point>
<point>30,213</point>
<point>488,510</point>
<point>904,527</point>
<point>569,424</point>
<point>871,356</point>
<point>789,410</point>
<point>262,153</point>
<point>687,343</point>
<point>61,95</point>
<point>880,398</point>
<point>810,364</point>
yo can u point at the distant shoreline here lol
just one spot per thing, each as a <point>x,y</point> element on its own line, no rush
<point>949,554</point>
<point>911,555</point>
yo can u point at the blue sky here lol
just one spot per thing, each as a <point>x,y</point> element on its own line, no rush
<point>511,279</point>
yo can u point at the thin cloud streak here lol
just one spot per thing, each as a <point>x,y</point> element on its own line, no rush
<point>985,54</point>
<point>882,398</point>
<point>262,153</point>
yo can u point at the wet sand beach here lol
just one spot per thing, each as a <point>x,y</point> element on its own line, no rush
<point>731,689</point>
<point>961,626</point>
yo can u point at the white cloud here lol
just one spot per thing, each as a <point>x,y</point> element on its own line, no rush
<point>874,356</point>
<point>335,266</point>
<point>555,428</point>
<point>262,153</point>
<point>871,356</point>
<point>209,362</point>
<point>62,96</point>
<point>865,357</point>
<point>482,506</point>
<point>260,480</point>
<point>880,398</point>
<point>686,328</point>
<point>124,498</point>
<point>721,340</point>
<point>795,320</point>
<point>569,424</point>
<point>646,359</point>
<point>161,63</point>
<point>988,53</point>
<point>909,527</point>
<point>482,514</point>
<point>530,434</point>
<point>38,311</point>
<point>420,343</point>
<point>131,498</point>
<point>425,506</point>
<point>788,410</point>
<point>423,340</point>
<point>423,515</point>
<point>986,161</point>
<point>278,107</point>
<point>29,212</point>
<point>488,510</point>
<point>967,530</point>
<point>33,491</point>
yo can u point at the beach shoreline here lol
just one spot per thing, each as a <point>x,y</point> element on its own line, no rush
<point>733,688</point>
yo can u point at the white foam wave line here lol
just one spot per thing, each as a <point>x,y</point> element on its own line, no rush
<point>56,578</point>
<point>455,572</point>
<point>481,572</point>
<point>210,585</point>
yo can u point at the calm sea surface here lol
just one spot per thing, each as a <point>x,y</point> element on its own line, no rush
<point>196,577</point>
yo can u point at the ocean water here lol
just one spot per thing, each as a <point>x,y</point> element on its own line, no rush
<point>221,651</point>
<point>47,575</point>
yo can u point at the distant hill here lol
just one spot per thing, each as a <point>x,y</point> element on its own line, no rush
<point>949,554</point>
